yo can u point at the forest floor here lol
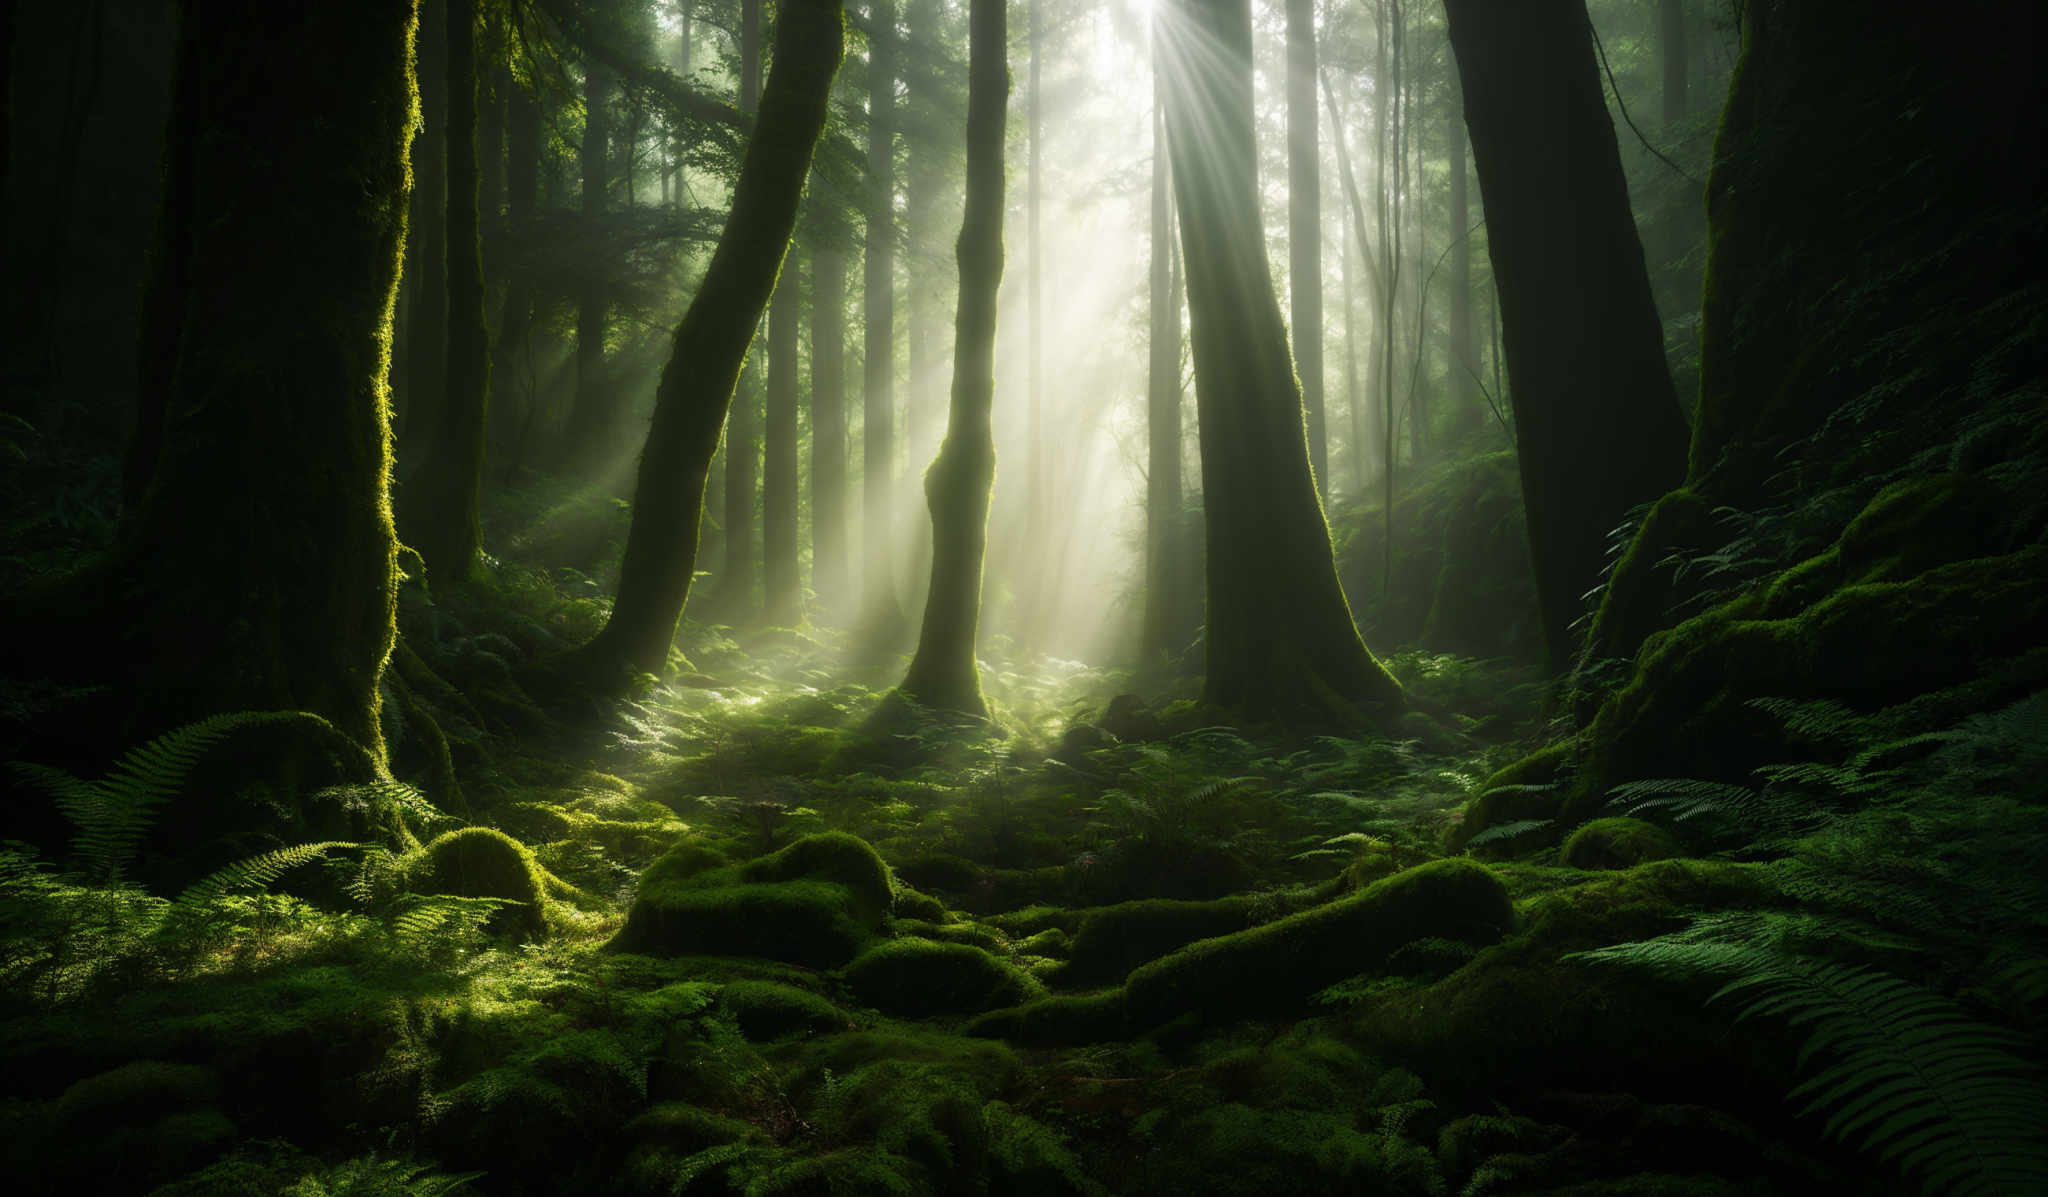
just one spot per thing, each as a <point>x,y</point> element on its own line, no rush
<point>764,929</point>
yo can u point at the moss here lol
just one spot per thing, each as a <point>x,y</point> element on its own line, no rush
<point>989,1068</point>
<point>126,1128</point>
<point>918,977</point>
<point>971,934</point>
<point>1059,1019</point>
<point>1113,940</point>
<point>1641,587</point>
<point>1869,643</point>
<point>916,904</point>
<point>1502,800</point>
<point>766,1010</point>
<point>528,1115</point>
<point>478,862</point>
<point>1236,1148</point>
<point>1027,1157</point>
<point>1519,1016</point>
<point>1273,969</point>
<point>659,1140</point>
<point>940,871</point>
<point>814,902</point>
<point>1617,843</point>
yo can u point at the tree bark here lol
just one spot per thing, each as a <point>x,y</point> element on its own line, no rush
<point>426,331</point>
<point>590,419</point>
<point>743,425</point>
<point>828,421</point>
<point>710,345</point>
<point>1305,230</point>
<point>513,398</point>
<point>1281,642</point>
<point>258,567</point>
<point>1162,631</point>
<point>782,603</point>
<point>961,478</point>
<point>882,613</point>
<point>1596,418</point>
<point>1464,360</point>
<point>442,502</point>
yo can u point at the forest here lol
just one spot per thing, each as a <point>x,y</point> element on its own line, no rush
<point>1056,597</point>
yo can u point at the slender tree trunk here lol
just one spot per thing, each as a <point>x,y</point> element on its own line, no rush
<point>1037,502</point>
<point>710,345</point>
<point>882,613</point>
<point>782,600</point>
<point>1361,415</point>
<point>1305,229</point>
<point>1464,387</point>
<point>1597,419</point>
<point>1162,630</point>
<point>743,425</point>
<point>1354,401</point>
<point>1281,642</point>
<point>960,480</point>
<point>924,265</point>
<point>1671,47</point>
<point>828,422</point>
<point>258,568</point>
<point>511,372</point>
<point>590,424</point>
<point>442,502</point>
<point>1387,83</point>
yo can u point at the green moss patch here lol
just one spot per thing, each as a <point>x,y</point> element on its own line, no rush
<point>1275,968</point>
<point>814,902</point>
<point>1113,940</point>
<point>1617,843</point>
<point>1060,1019</point>
<point>478,862</point>
<point>919,977</point>
<point>766,1010</point>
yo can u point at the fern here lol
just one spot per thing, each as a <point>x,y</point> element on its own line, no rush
<point>255,872</point>
<point>1906,1074</point>
<point>1507,831</point>
<point>113,813</point>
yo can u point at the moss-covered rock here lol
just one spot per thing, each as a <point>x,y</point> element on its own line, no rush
<point>1617,843</point>
<point>660,1140</point>
<point>1273,969</point>
<point>766,1010</point>
<point>912,903</point>
<point>1059,1019</point>
<point>1113,940</point>
<point>919,977</point>
<point>130,1127</point>
<point>479,862</point>
<point>814,902</point>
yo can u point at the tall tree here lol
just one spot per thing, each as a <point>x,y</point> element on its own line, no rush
<point>1305,228</point>
<point>1464,359</point>
<point>1037,502</point>
<point>259,567</point>
<point>1596,417</point>
<point>590,428</point>
<point>710,345</point>
<point>1281,642</point>
<point>828,412</point>
<point>426,279</point>
<point>513,396</point>
<point>781,599</point>
<point>957,487</point>
<point>743,425</point>
<point>881,611</point>
<point>1162,630</point>
<point>441,504</point>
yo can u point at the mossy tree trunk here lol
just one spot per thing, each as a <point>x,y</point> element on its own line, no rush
<point>1596,417</point>
<point>426,320</point>
<point>258,567</point>
<point>957,487</point>
<point>781,600</point>
<point>882,613</point>
<point>1305,229</point>
<point>1281,642</point>
<point>828,418</point>
<point>743,425</point>
<point>1164,629</point>
<point>441,503</point>
<point>710,345</point>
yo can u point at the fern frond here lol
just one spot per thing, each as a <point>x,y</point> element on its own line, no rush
<point>1687,798</point>
<point>1507,831</point>
<point>256,872</point>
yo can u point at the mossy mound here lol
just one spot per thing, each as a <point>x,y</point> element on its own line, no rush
<point>766,1010</point>
<point>915,978</point>
<point>128,1128</point>
<point>660,1141</point>
<point>478,862</point>
<point>1113,940</point>
<point>815,902</point>
<point>971,934</point>
<point>525,1116</point>
<point>1060,1019</point>
<point>1273,969</point>
<point>1618,843</point>
<point>1519,1016</point>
